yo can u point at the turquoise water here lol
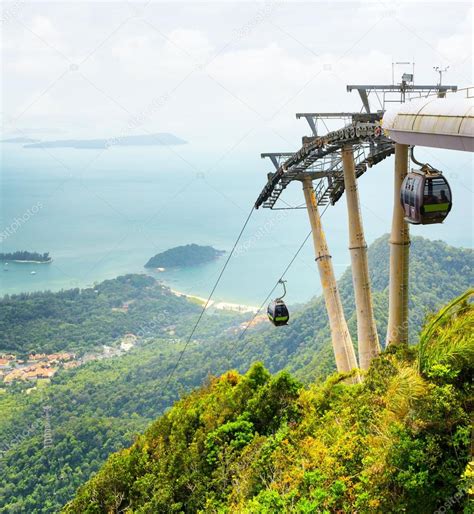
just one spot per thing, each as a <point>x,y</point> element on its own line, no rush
<point>101,214</point>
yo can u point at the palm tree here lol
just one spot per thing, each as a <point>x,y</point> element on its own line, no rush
<point>448,338</point>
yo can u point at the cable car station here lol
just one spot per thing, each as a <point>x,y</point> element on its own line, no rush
<point>329,165</point>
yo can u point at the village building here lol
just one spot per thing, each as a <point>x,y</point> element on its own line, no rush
<point>37,356</point>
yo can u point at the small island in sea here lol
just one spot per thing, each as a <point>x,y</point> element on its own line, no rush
<point>24,256</point>
<point>184,256</point>
<point>161,139</point>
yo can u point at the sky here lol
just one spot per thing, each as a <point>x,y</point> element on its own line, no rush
<point>228,77</point>
<point>221,75</point>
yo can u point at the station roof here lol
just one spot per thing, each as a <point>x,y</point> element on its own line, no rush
<point>432,121</point>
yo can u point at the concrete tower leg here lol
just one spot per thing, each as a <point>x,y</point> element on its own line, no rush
<point>341,339</point>
<point>367,337</point>
<point>397,329</point>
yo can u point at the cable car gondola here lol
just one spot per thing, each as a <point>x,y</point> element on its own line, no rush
<point>425,195</point>
<point>277,311</point>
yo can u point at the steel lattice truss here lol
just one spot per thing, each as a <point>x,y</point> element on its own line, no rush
<point>320,156</point>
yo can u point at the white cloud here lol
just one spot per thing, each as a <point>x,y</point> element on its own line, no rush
<point>305,65</point>
<point>457,47</point>
<point>43,27</point>
<point>193,42</point>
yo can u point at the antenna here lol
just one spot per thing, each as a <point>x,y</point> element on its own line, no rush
<point>440,70</point>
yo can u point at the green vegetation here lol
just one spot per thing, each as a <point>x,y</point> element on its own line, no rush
<point>182,256</point>
<point>25,256</point>
<point>399,442</point>
<point>96,409</point>
<point>80,320</point>
<point>99,407</point>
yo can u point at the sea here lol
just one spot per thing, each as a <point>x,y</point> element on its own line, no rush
<point>104,213</point>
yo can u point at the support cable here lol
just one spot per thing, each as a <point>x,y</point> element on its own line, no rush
<point>249,324</point>
<point>208,300</point>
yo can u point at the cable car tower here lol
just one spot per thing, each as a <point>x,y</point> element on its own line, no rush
<point>47,435</point>
<point>327,165</point>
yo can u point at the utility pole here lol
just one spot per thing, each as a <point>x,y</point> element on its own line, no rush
<point>397,329</point>
<point>367,337</point>
<point>341,339</point>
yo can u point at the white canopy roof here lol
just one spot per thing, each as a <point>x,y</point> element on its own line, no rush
<point>432,121</point>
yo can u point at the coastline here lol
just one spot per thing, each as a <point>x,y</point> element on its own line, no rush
<point>223,306</point>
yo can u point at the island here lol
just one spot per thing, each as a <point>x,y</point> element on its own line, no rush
<point>184,256</point>
<point>160,139</point>
<point>24,256</point>
<point>20,140</point>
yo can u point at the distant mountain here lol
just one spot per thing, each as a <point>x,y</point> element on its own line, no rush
<point>183,256</point>
<point>161,139</point>
<point>35,131</point>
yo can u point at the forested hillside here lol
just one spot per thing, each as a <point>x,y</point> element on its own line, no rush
<point>79,320</point>
<point>98,407</point>
<point>398,442</point>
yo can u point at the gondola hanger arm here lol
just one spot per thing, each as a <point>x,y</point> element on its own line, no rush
<point>282,282</point>
<point>425,167</point>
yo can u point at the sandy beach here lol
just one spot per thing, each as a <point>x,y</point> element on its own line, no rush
<point>224,306</point>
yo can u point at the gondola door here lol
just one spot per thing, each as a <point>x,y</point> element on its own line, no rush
<point>410,197</point>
